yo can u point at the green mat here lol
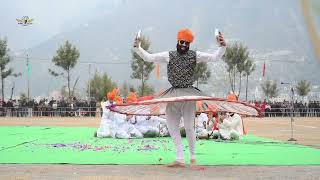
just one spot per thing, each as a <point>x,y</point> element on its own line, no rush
<point>78,146</point>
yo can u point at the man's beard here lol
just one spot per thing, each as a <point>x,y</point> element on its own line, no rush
<point>181,50</point>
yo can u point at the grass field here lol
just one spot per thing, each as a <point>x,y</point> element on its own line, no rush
<point>306,130</point>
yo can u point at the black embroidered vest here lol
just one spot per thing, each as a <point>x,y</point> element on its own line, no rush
<point>181,69</point>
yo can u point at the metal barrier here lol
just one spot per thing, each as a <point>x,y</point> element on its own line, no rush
<point>49,112</point>
<point>93,112</point>
<point>297,112</point>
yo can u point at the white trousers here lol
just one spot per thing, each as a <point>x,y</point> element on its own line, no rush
<point>174,112</point>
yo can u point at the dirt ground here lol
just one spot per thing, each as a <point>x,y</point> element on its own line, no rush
<point>144,172</point>
<point>306,131</point>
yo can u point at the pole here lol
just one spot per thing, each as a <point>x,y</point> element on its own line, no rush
<point>291,114</point>
<point>28,80</point>
<point>292,108</point>
<point>89,88</point>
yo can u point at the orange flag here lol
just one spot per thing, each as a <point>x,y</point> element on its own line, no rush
<point>264,69</point>
<point>158,71</point>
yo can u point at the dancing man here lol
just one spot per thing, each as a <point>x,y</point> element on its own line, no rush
<point>181,66</point>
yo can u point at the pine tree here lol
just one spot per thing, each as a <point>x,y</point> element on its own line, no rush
<point>202,73</point>
<point>100,85</point>
<point>5,59</point>
<point>66,58</point>
<point>303,88</point>
<point>270,89</point>
<point>141,69</point>
<point>249,67</point>
<point>235,57</point>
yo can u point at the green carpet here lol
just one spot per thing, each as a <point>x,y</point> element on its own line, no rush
<point>78,146</point>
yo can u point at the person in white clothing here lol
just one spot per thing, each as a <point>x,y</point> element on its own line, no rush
<point>106,124</point>
<point>181,65</point>
<point>107,120</point>
<point>123,129</point>
<point>230,127</point>
<point>200,126</point>
<point>149,126</point>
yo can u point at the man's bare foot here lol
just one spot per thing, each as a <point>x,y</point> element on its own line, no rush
<point>176,164</point>
<point>193,163</point>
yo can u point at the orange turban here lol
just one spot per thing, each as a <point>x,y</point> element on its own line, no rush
<point>232,97</point>
<point>186,35</point>
<point>112,94</point>
<point>132,98</point>
<point>118,100</point>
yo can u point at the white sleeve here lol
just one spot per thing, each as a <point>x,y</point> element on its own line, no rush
<point>158,119</point>
<point>208,57</point>
<point>233,123</point>
<point>162,57</point>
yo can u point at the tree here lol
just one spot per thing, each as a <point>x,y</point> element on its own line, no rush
<point>235,57</point>
<point>202,73</point>
<point>132,88</point>
<point>270,89</point>
<point>148,90</point>
<point>5,59</point>
<point>23,97</point>
<point>66,58</point>
<point>249,67</point>
<point>64,91</point>
<point>141,69</point>
<point>303,88</point>
<point>124,90</point>
<point>12,90</point>
<point>100,85</point>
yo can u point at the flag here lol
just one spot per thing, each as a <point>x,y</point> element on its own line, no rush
<point>29,70</point>
<point>158,71</point>
<point>264,69</point>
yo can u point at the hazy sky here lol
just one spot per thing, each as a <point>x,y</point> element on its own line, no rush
<point>50,18</point>
<point>54,17</point>
<point>269,27</point>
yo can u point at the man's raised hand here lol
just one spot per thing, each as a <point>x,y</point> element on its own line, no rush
<point>136,42</point>
<point>221,40</point>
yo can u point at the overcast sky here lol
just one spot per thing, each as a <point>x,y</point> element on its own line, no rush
<point>54,17</point>
<point>85,22</point>
<point>50,18</point>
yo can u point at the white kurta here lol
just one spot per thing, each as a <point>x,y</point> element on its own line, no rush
<point>201,131</point>
<point>115,125</point>
<point>124,129</point>
<point>231,125</point>
<point>106,124</point>
<point>151,125</point>
<point>163,57</point>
